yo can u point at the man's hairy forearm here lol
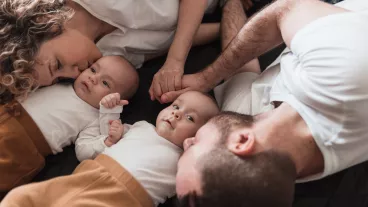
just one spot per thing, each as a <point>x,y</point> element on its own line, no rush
<point>233,19</point>
<point>259,35</point>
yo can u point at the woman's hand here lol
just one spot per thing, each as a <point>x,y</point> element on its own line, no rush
<point>167,79</point>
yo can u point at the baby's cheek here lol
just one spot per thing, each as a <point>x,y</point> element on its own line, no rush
<point>190,130</point>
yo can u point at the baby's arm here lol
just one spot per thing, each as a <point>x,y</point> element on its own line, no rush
<point>116,131</point>
<point>90,142</point>
<point>93,140</point>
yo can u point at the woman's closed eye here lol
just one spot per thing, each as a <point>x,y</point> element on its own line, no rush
<point>59,65</point>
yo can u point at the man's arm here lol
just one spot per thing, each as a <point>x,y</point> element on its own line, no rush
<point>233,19</point>
<point>277,23</point>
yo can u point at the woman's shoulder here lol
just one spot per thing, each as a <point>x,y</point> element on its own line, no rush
<point>135,14</point>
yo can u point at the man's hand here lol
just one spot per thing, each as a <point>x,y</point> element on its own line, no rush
<point>116,131</point>
<point>168,78</point>
<point>112,100</point>
<point>192,82</point>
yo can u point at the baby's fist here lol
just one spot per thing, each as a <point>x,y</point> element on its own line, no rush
<point>113,99</point>
<point>116,131</point>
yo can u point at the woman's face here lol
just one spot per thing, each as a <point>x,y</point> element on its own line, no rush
<point>64,56</point>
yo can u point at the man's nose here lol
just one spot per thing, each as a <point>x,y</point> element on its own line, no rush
<point>187,143</point>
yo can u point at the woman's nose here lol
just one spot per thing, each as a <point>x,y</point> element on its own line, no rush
<point>70,72</point>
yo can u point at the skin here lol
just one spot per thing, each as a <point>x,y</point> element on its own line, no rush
<point>168,78</point>
<point>67,55</point>
<point>281,129</point>
<point>116,129</point>
<point>73,51</point>
<point>188,176</point>
<point>185,116</point>
<point>180,120</point>
<point>275,24</point>
<point>56,59</point>
<point>110,74</point>
<point>233,19</point>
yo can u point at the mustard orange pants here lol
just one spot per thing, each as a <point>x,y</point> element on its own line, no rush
<point>22,147</point>
<point>99,182</point>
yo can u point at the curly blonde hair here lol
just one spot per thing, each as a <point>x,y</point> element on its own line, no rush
<point>24,26</point>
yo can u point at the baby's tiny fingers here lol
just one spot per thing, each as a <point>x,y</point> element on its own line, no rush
<point>123,102</point>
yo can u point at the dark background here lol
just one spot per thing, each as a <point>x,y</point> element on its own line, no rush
<point>345,189</point>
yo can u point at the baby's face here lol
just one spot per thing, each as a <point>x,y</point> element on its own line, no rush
<point>185,116</point>
<point>105,76</point>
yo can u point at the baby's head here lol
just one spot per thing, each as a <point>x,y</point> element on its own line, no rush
<point>109,74</point>
<point>185,116</point>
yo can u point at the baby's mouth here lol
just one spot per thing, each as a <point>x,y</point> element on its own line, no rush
<point>85,84</point>
<point>168,122</point>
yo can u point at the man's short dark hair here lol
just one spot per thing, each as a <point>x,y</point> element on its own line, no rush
<point>260,180</point>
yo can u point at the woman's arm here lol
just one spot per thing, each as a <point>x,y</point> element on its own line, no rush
<point>169,77</point>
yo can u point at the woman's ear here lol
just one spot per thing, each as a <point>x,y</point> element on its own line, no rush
<point>241,142</point>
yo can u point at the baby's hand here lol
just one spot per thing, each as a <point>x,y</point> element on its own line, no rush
<point>116,131</point>
<point>112,100</point>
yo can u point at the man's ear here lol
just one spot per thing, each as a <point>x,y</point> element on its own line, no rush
<point>241,142</point>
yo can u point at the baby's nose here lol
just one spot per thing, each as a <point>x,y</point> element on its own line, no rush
<point>93,79</point>
<point>177,114</point>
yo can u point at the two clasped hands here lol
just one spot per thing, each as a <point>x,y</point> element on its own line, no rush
<point>170,82</point>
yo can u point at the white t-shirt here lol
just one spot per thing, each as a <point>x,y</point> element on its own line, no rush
<point>64,118</point>
<point>144,26</point>
<point>324,78</point>
<point>150,158</point>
